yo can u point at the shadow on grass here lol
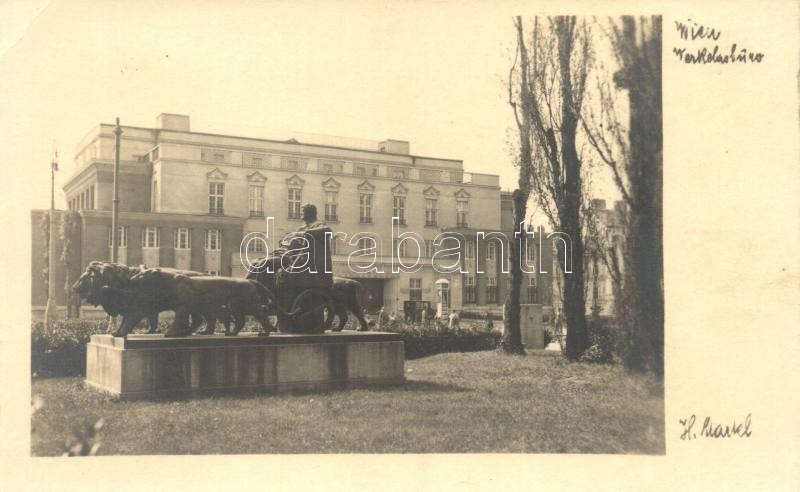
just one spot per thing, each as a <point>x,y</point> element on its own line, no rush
<point>248,394</point>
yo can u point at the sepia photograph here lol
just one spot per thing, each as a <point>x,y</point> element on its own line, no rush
<point>436,229</point>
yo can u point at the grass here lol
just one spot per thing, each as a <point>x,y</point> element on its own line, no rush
<point>475,402</point>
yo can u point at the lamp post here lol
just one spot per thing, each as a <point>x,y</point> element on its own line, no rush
<point>51,312</point>
<point>115,199</point>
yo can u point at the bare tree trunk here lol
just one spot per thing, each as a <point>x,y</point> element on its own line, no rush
<point>512,332</point>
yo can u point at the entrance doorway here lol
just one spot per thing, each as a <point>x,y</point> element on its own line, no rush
<point>371,294</point>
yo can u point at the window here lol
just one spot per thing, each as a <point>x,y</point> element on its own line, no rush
<point>398,174</point>
<point>331,199</point>
<point>531,246</point>
<point>429,249</point>
<point>362,170</point>
<point>469,290</point>
<point>216,195</point>
<point>366,245</point>
<point>123,237</point>
<point>365,208</point>
<point>430,212</point>
<point>415,289</point>
<point>491,251</point>
<point>183,238</point>
<point>469,250</point>
<point>399,209</point>
<point>292,164</point>
<point>491,290</point>
<point>256,162</point>
<point>462,209</point>
<point>212,240</point>
<point>399,248</point>
<point>295,202</point>
<point>533,294</point>
<point>218,157</point>
<point>151,237</point>
<point>255,245</point>
<point>256,201</point>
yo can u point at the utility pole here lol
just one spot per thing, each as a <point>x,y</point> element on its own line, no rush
<point>115,200</point>
<point>51,312</point>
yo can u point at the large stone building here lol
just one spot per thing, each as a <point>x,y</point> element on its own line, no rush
<point>188,199</point>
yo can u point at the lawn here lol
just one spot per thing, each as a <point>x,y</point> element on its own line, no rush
<point>475,402</point>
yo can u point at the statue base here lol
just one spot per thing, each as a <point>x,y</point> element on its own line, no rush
<point>147,366</point>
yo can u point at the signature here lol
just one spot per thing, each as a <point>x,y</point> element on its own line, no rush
<point>715,430</point>
<point>718,53</point>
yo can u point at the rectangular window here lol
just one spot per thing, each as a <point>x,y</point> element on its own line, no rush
<point>399,248</point>
<point>151,237</point>
<point>360,171</point>
<point>469,250</point>
<point>365,208</point>
<point>256,162</point>
<point>469,290</point>
<point>219,157</point>
<point>462,209</point>
<point>431,212</point>
<point>216,195</point>
<point>415,289</point>
<point>531,247</point>
<point>366,245</point>
<point>533,294</point>
<point>182,238</point>
<point>256,201</point>
<point>295,203</point>
<point>398,174</point>
<point>491,251</point>
<point>123,237</point>
<point>399,209</point>
<point>491,290</point>
<point>429,249</point>
<point>331,199</point>
<point>255,245</point>
<point>213,240</point>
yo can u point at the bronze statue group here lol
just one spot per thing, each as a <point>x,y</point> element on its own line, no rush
<point>304,300</point>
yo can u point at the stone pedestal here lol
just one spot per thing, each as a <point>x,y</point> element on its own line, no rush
<point>144,366</point>
<point>531,326</point>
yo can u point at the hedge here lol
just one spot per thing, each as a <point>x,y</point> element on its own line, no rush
<point>62,350</point>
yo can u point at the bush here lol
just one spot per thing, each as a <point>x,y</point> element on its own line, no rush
<point>421,341</point>
<point>62,350</point>
<point>602,339</point>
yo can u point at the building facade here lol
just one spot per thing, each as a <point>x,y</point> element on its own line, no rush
<point>188,199</point>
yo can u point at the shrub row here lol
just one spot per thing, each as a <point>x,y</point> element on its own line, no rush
<point>61,351</point>
<point>421,342</point>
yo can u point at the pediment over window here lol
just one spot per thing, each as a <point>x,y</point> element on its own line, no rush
<point>431,192</point>
<point>399,189</point>
<point>462,194</point>
<point>295,182</point>
<point>366,186</point>
<point>216,175</point>
<point>256,178</point>
<point>331,184</point>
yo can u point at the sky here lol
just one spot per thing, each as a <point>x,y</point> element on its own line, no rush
<point>432,76</point>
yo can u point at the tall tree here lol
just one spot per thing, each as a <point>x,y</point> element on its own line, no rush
<point>70,224</point>
<point>554,61</point>
<point>634,154</point>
